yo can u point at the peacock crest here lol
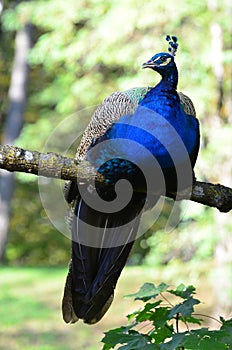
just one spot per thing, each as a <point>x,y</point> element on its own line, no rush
<point>172,41</point>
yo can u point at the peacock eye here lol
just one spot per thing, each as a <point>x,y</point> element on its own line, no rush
<point>162,58</point>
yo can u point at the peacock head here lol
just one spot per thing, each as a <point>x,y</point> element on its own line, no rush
<point>163,62</point>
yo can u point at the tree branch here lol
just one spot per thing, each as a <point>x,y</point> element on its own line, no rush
<point>56,166</point>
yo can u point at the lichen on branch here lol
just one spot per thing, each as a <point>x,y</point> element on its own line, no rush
<point>57,166</point>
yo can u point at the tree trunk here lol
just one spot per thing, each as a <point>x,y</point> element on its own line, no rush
<point>13,126</point>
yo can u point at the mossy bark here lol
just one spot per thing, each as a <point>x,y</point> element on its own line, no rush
<point>57,166</point>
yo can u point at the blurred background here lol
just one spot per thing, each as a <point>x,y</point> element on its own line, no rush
<point>60,58</point>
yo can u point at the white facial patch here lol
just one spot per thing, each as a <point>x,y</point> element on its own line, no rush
<point>166,62</point>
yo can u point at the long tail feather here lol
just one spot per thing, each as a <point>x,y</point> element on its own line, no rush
<point>94,271</point>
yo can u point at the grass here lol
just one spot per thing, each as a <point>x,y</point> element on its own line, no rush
<point>30,307</point>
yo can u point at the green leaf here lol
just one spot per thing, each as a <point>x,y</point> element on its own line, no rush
<point>112,338</point>
<point>149,291</point>
<point>226,332</point>
<point>204,339</point>
<point>183,291</point>
<point>194,320</point>
<point>160,316</point>
<point>147,312</point>
<point>185,308</point>
<point>132,339</point>
<point>227,325</point>
<point>174,343</point>
<point>139,341</point>
<point>162,333</point>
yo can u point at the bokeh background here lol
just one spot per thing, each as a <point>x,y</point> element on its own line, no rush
<point>78,53</point>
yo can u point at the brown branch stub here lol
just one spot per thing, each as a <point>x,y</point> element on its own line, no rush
<point>57,166</point>
<point>213,195</point>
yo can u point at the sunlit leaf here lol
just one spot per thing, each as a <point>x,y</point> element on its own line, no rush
<point>149,291</point>
<point>183,291</point>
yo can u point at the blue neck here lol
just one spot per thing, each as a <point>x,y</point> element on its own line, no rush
<point>171,76</point>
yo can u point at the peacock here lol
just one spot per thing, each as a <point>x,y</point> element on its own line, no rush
<point>128,132</point>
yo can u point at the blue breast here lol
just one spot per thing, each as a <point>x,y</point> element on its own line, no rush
<point>159,128</point>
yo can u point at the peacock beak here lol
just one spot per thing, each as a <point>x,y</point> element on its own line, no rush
<point>149,64</point>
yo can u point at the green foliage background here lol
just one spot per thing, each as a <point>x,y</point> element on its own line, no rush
<point>83,51</point>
